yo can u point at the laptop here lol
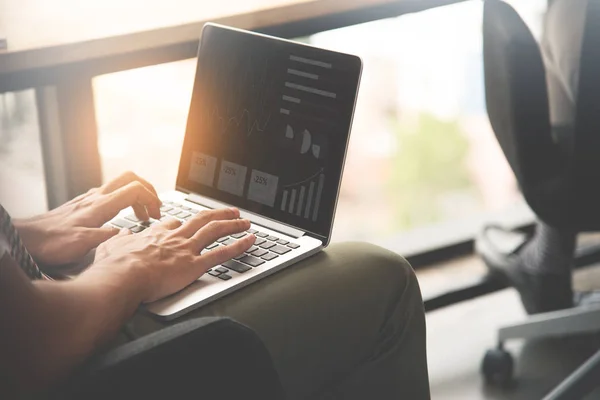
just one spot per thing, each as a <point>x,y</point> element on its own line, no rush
<point>267,132</point>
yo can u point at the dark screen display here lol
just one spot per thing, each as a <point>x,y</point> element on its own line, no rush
<point>268,126</point>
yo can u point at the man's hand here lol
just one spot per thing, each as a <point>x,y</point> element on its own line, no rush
<point>166,257</point>
<point>67,233</point>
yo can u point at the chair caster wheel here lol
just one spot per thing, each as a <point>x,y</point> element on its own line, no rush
<point>497,367</point>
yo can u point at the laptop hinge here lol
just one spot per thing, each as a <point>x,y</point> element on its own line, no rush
<point>255,218</point>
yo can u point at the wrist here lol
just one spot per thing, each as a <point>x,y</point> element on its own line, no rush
<point>30,237</point>
<point>123,276</point>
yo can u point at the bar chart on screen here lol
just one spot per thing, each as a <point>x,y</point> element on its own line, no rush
<point>306,91</point>
<point>303,199</point>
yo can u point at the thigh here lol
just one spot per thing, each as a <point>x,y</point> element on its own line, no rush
<point>325,317</point>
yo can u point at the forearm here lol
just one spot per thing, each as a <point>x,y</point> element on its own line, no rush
<point>57,325</point>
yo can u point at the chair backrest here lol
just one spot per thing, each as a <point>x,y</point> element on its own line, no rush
<point>585,158</point>
<point>517,105</point>
<point>516,93</point>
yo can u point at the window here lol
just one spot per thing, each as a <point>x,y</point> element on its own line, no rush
<point>141,118</point>
<point>22,186</point>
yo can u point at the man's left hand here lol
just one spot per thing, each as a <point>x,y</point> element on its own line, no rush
<point>67,233</point>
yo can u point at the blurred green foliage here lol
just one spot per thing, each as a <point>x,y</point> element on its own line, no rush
<point>429,163</point>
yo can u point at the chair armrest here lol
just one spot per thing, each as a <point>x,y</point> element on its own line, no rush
<point>203,358</point>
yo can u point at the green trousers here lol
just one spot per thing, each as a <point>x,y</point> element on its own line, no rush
<point>347,323</point>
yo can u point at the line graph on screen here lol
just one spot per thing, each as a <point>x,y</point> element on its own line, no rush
<point>239,97</point>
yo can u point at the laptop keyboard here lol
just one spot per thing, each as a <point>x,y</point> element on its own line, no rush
<point>266,248</point>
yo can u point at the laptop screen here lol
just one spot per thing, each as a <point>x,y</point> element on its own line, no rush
<point>268,126</point>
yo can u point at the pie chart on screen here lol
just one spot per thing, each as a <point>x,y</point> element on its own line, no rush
<point>289,132</point>
<point>306,142</point>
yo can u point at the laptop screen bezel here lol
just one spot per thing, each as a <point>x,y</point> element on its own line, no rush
<point>182,172</point>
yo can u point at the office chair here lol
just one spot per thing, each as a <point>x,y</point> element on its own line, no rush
<point>561,184</point>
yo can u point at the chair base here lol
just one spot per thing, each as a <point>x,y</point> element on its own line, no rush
<point>556,323</point>
<point>578,320</point>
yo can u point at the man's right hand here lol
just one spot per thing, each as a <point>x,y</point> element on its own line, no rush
<point>166,257</point>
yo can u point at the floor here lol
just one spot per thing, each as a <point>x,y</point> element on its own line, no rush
<point>458,337</point>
